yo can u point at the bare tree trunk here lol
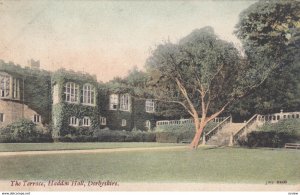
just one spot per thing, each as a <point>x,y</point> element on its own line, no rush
<point>199,126</point>
<point>196,139</point>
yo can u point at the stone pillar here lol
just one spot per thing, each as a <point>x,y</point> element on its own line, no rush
<point>281,114</point>
<point>11,86</point>
<point>231,140</point>
<point>203,139</point>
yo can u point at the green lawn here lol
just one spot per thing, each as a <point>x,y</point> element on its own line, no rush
<point>10,147</point>
<point>230,165</point>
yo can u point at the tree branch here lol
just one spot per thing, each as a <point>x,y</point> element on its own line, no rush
<point>208,119</point>
<point>185,94</point>
<point>169,101</point>
<point>181,103</point>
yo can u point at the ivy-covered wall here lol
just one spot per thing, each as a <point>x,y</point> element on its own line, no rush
<point>135,119</point>
<point>114,120</point>
<point>62,110</point>
<point>35,88</point>
<point>141,116</point>
<point>114,117</point>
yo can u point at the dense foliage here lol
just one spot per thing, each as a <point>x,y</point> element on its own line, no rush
<point>35,88</point>
<point>270,33</point>
<point>179,133</point>
<point>24,131</point>
<point>105,135</point>
<point>274,134</point>
<point>204,74</point>
<point>62,111</point>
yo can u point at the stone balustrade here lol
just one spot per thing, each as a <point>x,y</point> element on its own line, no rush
<point>185,121</point>
<point>274,118</point>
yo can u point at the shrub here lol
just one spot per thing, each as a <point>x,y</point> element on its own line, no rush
<point>105,135</point>
<point>289,126</point>
<point>178,133</point>
<point>78,138</point>
<point>175,128</point>
<point>142,136</point>
<point>24,131</point>
<point>189,127</point>
<point>109,135</point>
<point>268,139</point>
<point>167,137</point>
<point>274,134</point>
<point>174,137</point>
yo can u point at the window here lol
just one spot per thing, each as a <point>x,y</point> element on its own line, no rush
<point>71,92</point>
<point>4,85</point>
<point>73,121</point>
<point>86,121</point>
<point>1,117</point>
<point>9,87</point>
<point>36,118</point>
<point>113,101</point>
<point>102,121</point>
<point>125,102</point>
<point>148,125</point>
<point>123,122</point>
<point>88,94</point>
<point>16,89</point>
<point>150,106</point>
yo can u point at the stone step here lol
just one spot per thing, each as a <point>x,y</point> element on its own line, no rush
<point>223,136</point>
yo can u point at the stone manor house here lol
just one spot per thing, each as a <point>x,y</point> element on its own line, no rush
<point>68,100</point>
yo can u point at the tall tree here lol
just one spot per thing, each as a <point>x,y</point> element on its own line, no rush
<point>134,82</point>
<point>203,74</point>
<point>270,32</point>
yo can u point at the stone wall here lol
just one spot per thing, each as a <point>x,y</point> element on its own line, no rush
<point>14,111</point>
<point>34,88</point>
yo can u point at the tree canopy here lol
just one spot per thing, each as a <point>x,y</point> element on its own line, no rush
<point>270,33</point>
<point>202,73</point>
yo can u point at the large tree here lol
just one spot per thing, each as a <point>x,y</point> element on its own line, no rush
<point>204,74</point>
<point>270,31</point>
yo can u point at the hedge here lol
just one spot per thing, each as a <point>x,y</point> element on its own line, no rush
<point>274,134</point>
<point>174,137</point>
<point>26,131</point>
<point>104,135</point>
<point>178,133</point>
<point>268,139</point>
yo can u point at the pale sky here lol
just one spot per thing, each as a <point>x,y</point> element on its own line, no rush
<point>106,38</point>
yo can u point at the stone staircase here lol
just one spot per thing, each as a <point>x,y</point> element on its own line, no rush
<point>223,136</point>
<point>227,133</point>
